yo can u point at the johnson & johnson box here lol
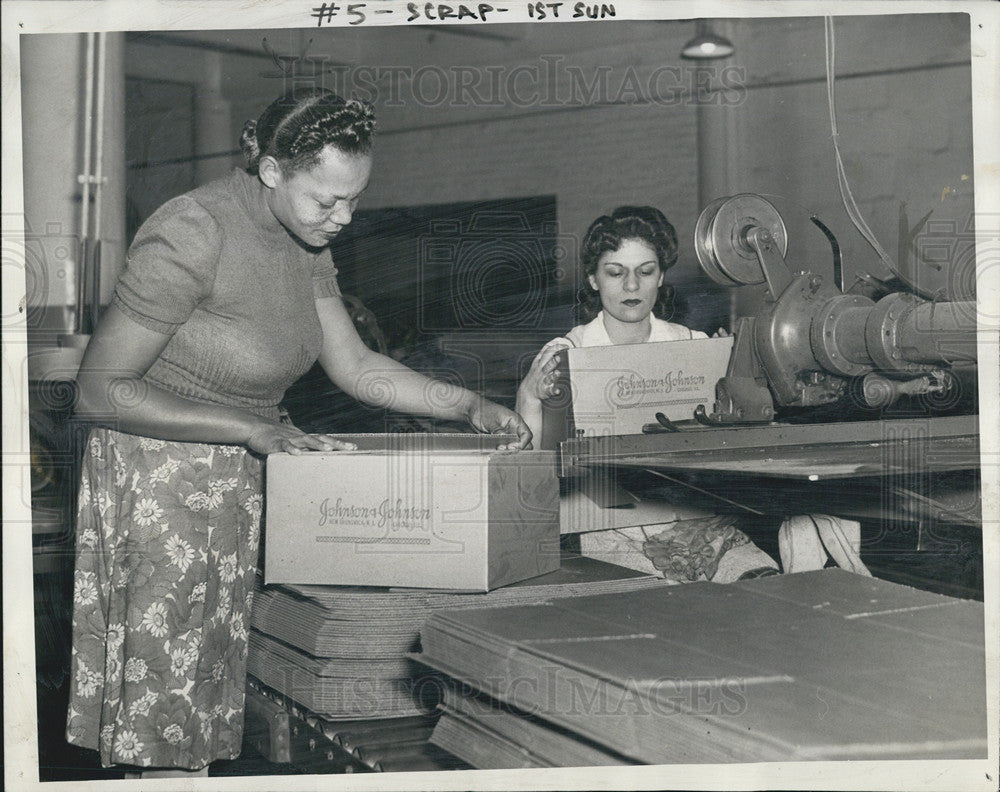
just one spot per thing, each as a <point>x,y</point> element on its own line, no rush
<point>412,510</point>
<point>616,390</point>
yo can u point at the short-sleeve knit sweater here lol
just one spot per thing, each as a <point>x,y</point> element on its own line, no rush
<point>217,272</point>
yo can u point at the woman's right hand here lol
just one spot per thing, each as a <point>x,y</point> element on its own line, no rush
<point>540,381</point>
<point>272,438</point>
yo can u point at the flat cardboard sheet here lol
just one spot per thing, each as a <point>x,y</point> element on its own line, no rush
<point>489,735</point>
<point>340,652</point>
<point>340,693</point>
<point>819,665</point>
<point>803,451</point>
<point>353,622</point>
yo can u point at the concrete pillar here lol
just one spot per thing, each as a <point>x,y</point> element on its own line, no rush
<point>53,71</point>
<point>113,214</point>
<point>718,140</point>
<point>213,122</point>
<point>51,106</point>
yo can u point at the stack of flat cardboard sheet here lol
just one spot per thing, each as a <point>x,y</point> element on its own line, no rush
<point>818,665</point>
<point>340,652</point>
<point>490,735</point>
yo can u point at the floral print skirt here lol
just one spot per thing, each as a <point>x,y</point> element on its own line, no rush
<point>685,551</point>
<point>166,541</point>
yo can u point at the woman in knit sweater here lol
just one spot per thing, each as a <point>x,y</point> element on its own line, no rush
<point>229,295</point>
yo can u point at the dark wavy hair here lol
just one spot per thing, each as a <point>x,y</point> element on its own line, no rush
<point>607,232</point>
<point>297,126</point>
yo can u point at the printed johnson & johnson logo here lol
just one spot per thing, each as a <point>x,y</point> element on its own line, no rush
<point>631,385</point>
<point>379,516</point>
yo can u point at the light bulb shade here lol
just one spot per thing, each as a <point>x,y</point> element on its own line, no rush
<point>706,45</point>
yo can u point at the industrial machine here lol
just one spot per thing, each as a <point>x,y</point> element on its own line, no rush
<point>859,402</point>
<point>811,339</point>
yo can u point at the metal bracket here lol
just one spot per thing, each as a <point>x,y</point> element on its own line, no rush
<point>742,395</point>
<point>771,261</point>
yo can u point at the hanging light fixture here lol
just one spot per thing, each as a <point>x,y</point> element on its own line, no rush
<point>706,45</point>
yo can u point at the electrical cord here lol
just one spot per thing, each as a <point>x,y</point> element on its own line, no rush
<point>850,205</point>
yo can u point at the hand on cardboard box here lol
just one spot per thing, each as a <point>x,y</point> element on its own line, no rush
<point>721,333</point>
<point>272,438</point>
<point>486,416</point>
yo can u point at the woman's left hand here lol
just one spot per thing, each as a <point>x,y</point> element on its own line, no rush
<point>486,416</point>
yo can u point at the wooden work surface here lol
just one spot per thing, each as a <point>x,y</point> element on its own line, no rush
<point>818,665</point>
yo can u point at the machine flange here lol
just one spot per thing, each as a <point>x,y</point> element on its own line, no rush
<point>720,238</point>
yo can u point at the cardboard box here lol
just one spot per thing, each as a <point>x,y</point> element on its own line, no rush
<point>616,390</point>
<point>582,510</point>
<point>411,510</point>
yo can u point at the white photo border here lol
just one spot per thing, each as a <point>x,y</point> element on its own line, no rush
<point>20,732</point>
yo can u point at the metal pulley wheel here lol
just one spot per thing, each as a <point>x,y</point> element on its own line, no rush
<point>720,238</point>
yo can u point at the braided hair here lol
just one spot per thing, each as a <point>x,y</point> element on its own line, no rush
<point>296,127</point>
<point>645,223</point>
